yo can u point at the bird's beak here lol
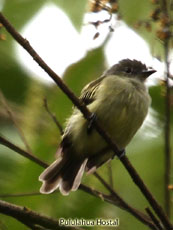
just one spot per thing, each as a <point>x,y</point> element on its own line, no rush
<point>147,73</point>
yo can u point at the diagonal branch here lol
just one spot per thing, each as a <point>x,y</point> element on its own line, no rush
<point>113,199</point>
<point>155,220</point>
<point>110,172</point>
<point>59,126</point>
<point>87,114</point>
<point>29,217</point>
<point>22,152</point>
<point>118,201</point>
<point>12,117</point>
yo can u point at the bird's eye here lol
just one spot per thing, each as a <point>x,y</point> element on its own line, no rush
<point>128,70</point>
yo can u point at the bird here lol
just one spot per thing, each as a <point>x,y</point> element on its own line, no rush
<point>119,100</point>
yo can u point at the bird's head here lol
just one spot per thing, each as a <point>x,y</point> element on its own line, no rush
<point>130,68</point>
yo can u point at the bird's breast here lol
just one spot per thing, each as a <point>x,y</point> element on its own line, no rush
<point>121,107</point>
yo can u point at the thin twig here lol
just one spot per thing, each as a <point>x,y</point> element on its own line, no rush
<point>53,116</point>
<point>154,204</point>
<point>167,138</point>
<point>96,174</point>
<point>87,114</point>
<point>111,181</point>
<point>167,180</point>
<point>120,201</point>
<point>12,117</point>
<point>22,152</point>
<point>61,131</point>
<point>28,217</point>
<point>114,199</point>
<point>115,196</point>
<point>155,220</point>
<point>20,194</point>
<point>36,227</point>
<point>104,183</point>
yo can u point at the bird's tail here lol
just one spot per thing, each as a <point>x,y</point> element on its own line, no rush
<point>65,173</point>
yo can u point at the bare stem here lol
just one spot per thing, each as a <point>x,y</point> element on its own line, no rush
<point>167,136</point>
<point>111,181</point>
<point>121,202</point>
<point>165,10</point>
<point>87,114</point>
<point>104,183</point>
<point>114,199</point>
<point>29,217</point>
<point>53,117</point>
<point>155,220</point>
<point>21,194</point>
<point>12,117</point>
<point>22,152</point>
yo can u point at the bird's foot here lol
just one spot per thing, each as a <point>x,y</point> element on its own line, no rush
<point>120,154</point>
<point>93,117</point>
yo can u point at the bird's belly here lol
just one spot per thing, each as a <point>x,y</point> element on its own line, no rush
<point>85,143</point>
<point>124,117</point>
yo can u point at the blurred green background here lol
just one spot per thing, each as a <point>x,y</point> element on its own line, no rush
<point>25,95</point>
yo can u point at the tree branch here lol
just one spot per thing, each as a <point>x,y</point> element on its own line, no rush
<point>22,152</point>
<point>87,114</point>
<point>53,117</point>
<point>151,215</point>
<point>167,136</point>
<point>20,194</point>
<point>166,27</point>
<point>29,217</point>
<point>120,202</point>
<point>114,199</point>
<point>111,181</point>
<point>12,117</point>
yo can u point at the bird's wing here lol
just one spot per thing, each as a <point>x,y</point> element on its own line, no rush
<point>88,94</point>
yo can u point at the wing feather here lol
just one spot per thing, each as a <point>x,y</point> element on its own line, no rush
<point>88,94</point>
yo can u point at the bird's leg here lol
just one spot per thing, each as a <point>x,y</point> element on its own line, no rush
<point>93,117</point>
<point>120,154</point>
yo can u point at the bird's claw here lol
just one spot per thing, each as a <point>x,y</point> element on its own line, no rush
<point>93,117</point>
<point>120,154</point>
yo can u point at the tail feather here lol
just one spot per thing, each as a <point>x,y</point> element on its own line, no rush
<point>94,162</point>
<point>71,177</point>
<point>79,175</point>
<point>52,170</point>
<point>65,173</point>
<point>48,187</point>
<point>75,179</point>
